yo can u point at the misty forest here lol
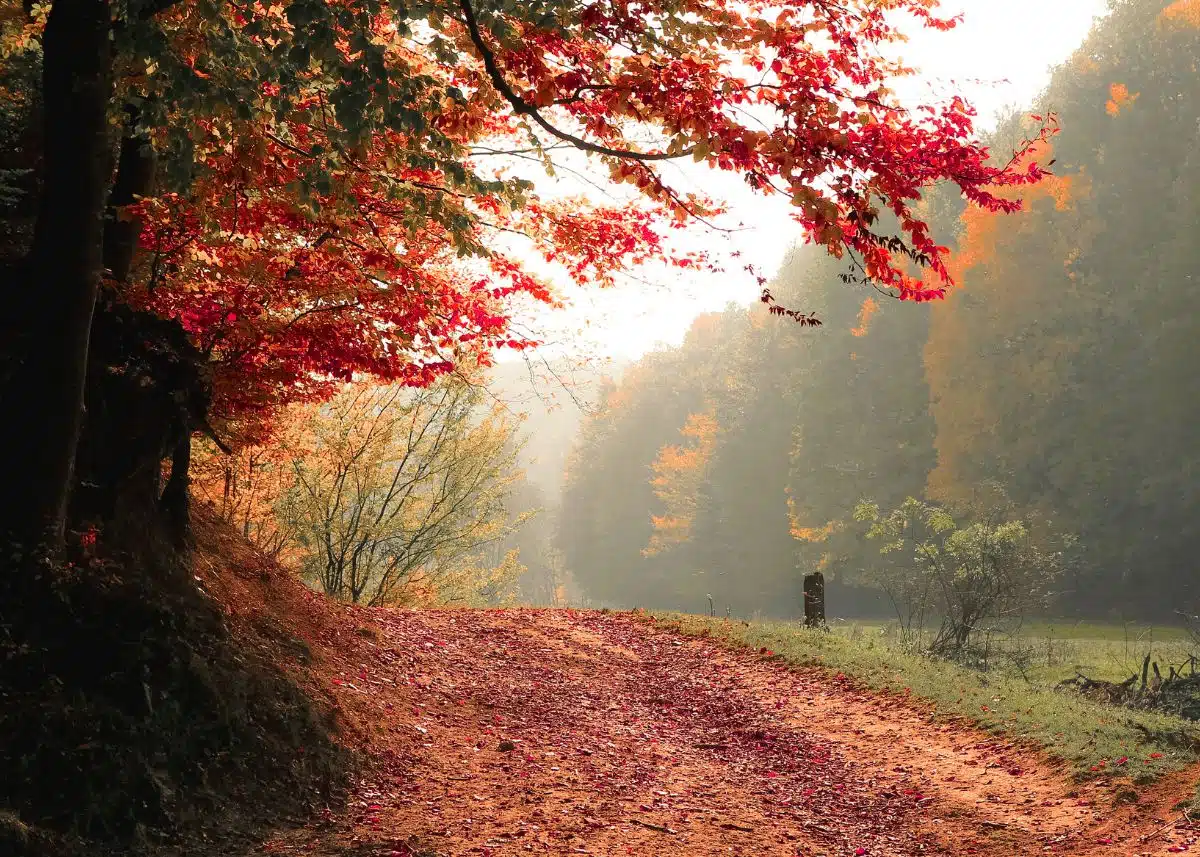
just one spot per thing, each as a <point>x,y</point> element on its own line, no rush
<point>350,506</point>
<point>1053,386</point>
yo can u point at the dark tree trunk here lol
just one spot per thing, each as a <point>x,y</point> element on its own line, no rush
<point>814,600</point>
<point>146,391</point>
<point>144,410</point>
<point>174,500</point>
<point>107,392</point>
<point>54,292</point>
<point>135,178</point>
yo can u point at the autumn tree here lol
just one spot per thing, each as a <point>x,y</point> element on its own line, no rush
<point>679,474</point>
<point>301,192</point>
<point>739,536</point>
<point>638,491</point>
<point>400,491</point>
<point>608,503</point>
<point>1061,364</point>
<point>245,485</point>
<point>860,422</point>
<point>1058,366</point>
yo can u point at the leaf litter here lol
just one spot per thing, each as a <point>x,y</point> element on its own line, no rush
<point>513,732</point>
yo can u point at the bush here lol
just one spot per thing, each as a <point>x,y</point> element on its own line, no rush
<point>988,568</point>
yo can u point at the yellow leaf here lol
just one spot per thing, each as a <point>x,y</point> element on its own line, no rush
<point>1119,98</point>
<point>1182,13</point>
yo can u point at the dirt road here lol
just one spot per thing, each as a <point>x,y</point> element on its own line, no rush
<point>556,732</point>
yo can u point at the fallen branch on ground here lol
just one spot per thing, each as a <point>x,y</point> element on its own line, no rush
<point>657,827</point>
<point>1156,833</point>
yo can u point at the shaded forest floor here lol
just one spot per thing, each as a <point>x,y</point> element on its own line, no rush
<point>563,732</point>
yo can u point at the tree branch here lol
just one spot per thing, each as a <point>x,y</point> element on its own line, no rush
<point>523,108</point>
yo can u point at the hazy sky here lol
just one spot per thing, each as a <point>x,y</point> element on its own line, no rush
<point>1000,56</point>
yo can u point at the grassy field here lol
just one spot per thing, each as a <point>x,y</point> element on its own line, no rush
<point>1015,696</point>
<point>1050,651</point>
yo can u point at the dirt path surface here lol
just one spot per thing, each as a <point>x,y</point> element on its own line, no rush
<point>561,732</point>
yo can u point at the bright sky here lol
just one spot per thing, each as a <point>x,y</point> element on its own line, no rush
<point>999,57</point>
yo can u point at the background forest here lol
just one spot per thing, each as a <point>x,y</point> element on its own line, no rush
<point>1051,389</point>
<point>1058,380</point>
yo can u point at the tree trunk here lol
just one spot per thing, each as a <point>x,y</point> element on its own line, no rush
<point>55,290</point>
<point>814,600</point>
<point>174,501</point>
<point>135,178</point>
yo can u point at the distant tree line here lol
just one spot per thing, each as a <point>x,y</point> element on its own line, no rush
<point>1060,372</point>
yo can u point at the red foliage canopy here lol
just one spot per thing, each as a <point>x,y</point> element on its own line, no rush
<point>340,218</point>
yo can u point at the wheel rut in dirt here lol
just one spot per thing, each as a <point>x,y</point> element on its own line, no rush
<point>562,732</point>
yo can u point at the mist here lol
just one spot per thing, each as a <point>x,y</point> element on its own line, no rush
<point>1055,385</point>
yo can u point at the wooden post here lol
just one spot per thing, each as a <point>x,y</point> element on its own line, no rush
<point>814,600</point>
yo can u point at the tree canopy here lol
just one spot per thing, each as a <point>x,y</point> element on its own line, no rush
<point>318,218</point>
<point>309,189</point>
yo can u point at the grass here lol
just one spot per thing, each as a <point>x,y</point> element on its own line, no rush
<point>1017,703</point>
<point>1050,651</point>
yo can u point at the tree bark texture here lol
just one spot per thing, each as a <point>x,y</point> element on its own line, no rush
<point>54,292</point>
